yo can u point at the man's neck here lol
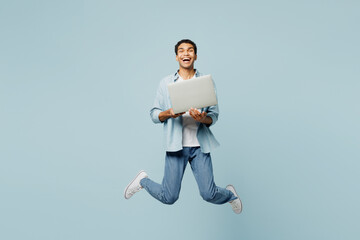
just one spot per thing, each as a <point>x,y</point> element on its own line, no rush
<point>186,73</point>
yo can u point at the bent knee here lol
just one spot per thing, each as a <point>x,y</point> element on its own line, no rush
<point>171,200</point>
<point>207,196</point>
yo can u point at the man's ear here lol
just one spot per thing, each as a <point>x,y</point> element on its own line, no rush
<point>177,57</point>
<point>195,57</point>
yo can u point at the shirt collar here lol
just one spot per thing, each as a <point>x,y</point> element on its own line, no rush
<point>177,75</point>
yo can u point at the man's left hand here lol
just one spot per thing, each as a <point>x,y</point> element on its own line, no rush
<point>198,116</point>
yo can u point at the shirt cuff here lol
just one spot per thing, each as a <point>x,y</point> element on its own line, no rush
<point>212,116</point>
<point>155,116</point>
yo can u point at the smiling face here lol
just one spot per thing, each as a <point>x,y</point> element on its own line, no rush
<point>186,56</point>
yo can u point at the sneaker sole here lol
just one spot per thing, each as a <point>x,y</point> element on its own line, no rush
<point>236,196</point>
<point>131,183</point>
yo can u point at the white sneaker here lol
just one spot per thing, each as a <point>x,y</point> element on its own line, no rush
<point>134,186</point>
<point>235,204</point>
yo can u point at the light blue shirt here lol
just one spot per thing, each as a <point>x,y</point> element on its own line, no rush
<point>173,126</point>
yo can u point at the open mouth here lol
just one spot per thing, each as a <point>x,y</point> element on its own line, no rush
<point>186,60</point>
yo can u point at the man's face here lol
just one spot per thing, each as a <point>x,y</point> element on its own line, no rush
<point>186,55</point>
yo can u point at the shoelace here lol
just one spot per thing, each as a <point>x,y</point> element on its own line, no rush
<point>235,206</point>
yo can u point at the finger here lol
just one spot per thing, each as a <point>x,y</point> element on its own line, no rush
<point>182,113</point>
<point>191,113</point>
<point>193,116</point>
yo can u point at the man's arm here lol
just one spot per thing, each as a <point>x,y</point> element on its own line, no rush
<point>165,115</point>
<point>213,113</point>
<point>158,105</point>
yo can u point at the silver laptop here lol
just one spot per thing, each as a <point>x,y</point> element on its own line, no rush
<point>192,93</point>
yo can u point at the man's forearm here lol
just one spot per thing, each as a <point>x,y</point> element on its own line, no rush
<point>163,116</point>
<point>207,120</point>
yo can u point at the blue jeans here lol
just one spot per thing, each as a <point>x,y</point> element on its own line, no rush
<point>175,164</point>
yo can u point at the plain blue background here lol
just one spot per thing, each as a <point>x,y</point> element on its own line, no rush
<point>77,81</point>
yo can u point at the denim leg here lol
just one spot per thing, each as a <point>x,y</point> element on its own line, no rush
<point>168,191</point>
<point>201,166</point>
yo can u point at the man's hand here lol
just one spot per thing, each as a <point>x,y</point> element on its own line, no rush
<point>200,117</point>
<point>168,114</point>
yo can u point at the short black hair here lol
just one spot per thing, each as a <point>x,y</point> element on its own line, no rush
<point>185,41</point>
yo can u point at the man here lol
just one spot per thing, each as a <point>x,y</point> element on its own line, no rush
<point>188,139</point>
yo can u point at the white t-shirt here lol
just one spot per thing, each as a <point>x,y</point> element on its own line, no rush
<point>190,127</point>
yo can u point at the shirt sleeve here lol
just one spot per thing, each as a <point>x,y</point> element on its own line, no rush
<point>213,112</point>
<point>157,107</point>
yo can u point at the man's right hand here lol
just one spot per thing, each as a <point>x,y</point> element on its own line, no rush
<point>168,114</point>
